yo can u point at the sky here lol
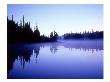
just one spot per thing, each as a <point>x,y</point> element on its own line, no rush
<point>63,18</point>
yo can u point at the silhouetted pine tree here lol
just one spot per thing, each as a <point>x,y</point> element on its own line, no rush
<point>23,33</point>
<point>36,34</point>
<point>53,36</point>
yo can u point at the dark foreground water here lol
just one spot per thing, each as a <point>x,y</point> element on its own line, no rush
<point>57,60</point>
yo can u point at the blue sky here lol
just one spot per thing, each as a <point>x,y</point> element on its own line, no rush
<point>62,18</point>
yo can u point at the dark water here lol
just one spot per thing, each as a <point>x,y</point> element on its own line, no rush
<point>61,60</point>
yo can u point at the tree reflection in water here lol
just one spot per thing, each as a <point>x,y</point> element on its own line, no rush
<point>23,52</point>
<point>85,49</point>
<point>53,48</point>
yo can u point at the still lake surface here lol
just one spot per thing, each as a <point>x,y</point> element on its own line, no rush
<point>65,59</point>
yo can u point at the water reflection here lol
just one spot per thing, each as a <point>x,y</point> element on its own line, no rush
<point>53,48</point>
<point>24,52</point>
<point>85,49</point>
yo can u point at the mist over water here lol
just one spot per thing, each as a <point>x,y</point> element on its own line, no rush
<point>69,59</point>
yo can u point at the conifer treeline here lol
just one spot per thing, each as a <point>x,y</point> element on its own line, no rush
<point>84,35</point>
<point>22,32</point>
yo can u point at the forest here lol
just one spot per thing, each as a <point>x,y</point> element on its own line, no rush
<point>23,32</point>
<point>84,35</point>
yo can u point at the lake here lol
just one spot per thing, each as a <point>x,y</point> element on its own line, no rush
<point>65,59</point>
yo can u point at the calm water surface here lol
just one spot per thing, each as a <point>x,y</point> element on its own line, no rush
<point>62,59</point>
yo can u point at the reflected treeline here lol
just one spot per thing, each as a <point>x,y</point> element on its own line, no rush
<point>23,52</point>
<point>84,35</point>
<point>92,50</point>
<point>53,48</point>
<point>22,32</point>
<point>20,53</point>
